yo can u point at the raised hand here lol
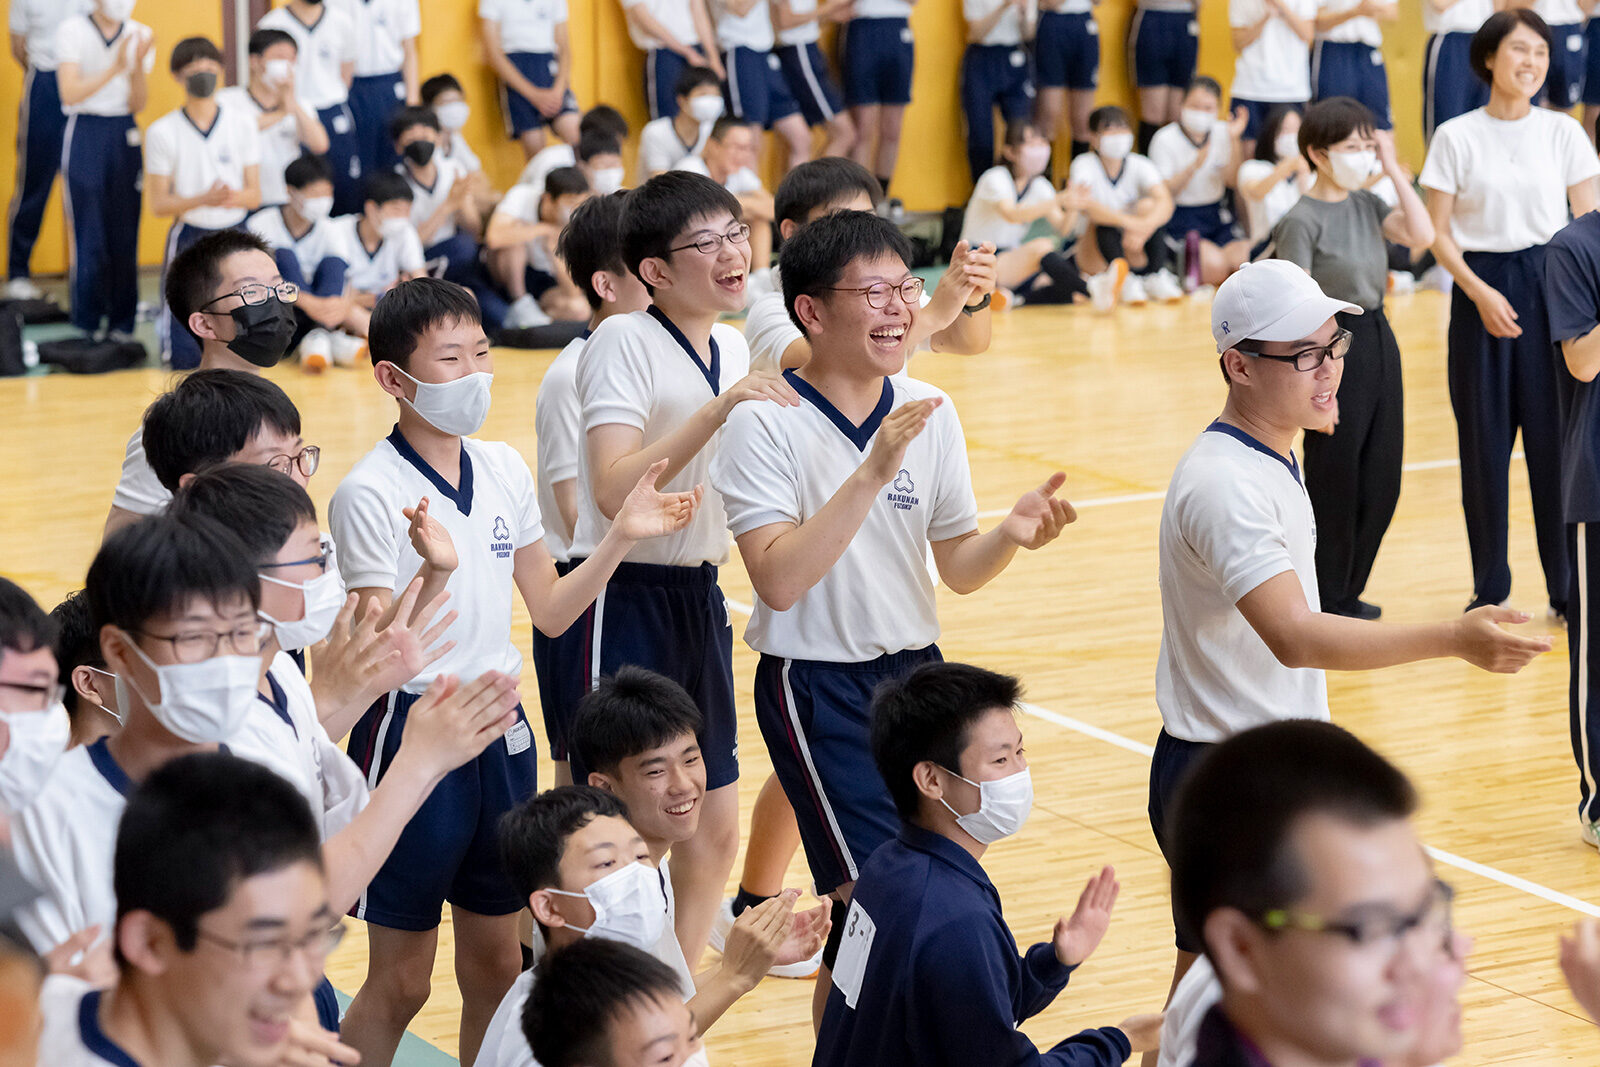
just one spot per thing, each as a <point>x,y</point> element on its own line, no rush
<point>1038,517</point>
<point>430,539</point>
<point>758,933</point>
<point>807,934</point>
<point>1078,935</point>
<point>1483,643</point>
<point>357,662</point>
<point>758,386</point>
<point>895,434</point>
<point>455,721</point>
<point>648,512</point>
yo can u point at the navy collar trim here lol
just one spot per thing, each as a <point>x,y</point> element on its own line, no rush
<point>947,851</point>
<point>308,25</point>
<point>104,762</point>
<point>95,1039</point>
<point>108,40</point>
<point>205,133</point>
<point>1293,465</point>
<point>461,497</point>
<point>860,436</point>
<point>411,176</point>
<point>713,373</point>
<point>587,333</point>
<point>278,702</point>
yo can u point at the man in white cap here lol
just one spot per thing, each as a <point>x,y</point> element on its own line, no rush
<point>1243,639</point>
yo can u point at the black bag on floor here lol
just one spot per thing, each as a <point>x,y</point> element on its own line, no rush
<point>35,312</point>
<point>11,364</point>
<point>84,355</point>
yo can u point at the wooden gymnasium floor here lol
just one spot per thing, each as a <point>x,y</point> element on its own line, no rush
<point>1112,400</point>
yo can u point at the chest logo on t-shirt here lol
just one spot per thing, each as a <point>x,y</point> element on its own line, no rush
<point>501,545</point>
<point>903,488</point>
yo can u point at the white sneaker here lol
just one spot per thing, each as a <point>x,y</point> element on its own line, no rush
<point>316,351</point>
<point>1402,283</point>
<point>1106,287</point>
<point>1162,285</point>
<point>1587,831</point>
<point>1436,277</point>
<point>23,289</point>
<point>525,313</point>
<point>1133,291</point>
<point>722,924</point>
<point>348,350</point>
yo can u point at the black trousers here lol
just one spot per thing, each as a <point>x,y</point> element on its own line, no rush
<point>1583,656</point>
<point>1353,474</point>
<point>1498,385</point>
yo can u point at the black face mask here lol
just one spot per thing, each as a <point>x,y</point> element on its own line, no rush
<point>201,84</point>
<point>262,332</point>
<point>419,152</point>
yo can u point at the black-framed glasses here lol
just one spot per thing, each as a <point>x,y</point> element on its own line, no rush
<point>271,953</point>
<point>1308,359</point>
<point>40,697</point>
<point>308,459</point>
<point>709,244</point>
<point>255,293</point>
<point>196,646</point>
<point>878,295</point>
<point>1387,931</point>
<point>324,554</point>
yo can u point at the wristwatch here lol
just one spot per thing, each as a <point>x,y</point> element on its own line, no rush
<point>979,306</point>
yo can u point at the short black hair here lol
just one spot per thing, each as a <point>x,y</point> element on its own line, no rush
<point>581,989</point>
<point>1108,115</point>
<point>631,712</point>
<point>263,39</point>
<point>720,128</point>
<point>1017,132</point>
<point>565,181</point>
<point>816,257</point>
<point>1233,816</point>
<point>1206,82</point>
<point>1273,123</point>
<point>209,416</point>
<point>820,182</point>
<point>407,311</point>
<point>692,78</point>
<point>592,241</point>
<point>437,86</point>
<point>656,215</point>
<point>306,169</point>
<point>593,143</point>
<point>533,835</point>
<point>385,187</point>
<point>191,49</point>
<point>606,119</point>
<point>195,273</point>
<point>155,566</point>
<point>24,626</point>
<point>77,641</point>
<point>1327,122</point>
<point>927,716</point>
<point>260,505</point>
<point>1495,29</point>
<point>199,825</point>
<point>411,115</point>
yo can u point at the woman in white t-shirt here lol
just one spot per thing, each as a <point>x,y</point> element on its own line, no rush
<point>1500,180</point>
<point>1269,184</point>
<point>1008,199</point>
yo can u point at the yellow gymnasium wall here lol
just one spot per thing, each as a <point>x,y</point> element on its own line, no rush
<point>606,67</point>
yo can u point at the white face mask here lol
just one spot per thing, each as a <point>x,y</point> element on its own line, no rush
<point>629,906</point>
<point>1116,146</point>
<point>200,702</point>
<point>1287,146</point>
<point>393,226</point>
<point>324,598</point>
<point>315,208</point>
<point>276,71</point>
<point>35,742</point>
<point>453,116</point>
<point>608,180</point>
<point>1352,170</point>
<point>1196,123</point>
<point>1034,158</point>
<point>116,10</point>
<point>1003,807</point>
<point>706,108</point>
<point>457,407</point>
<point>114,712</point>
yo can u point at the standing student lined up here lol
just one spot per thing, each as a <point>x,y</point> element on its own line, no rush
<point>1449,86</point>
<point>1563,86</point>
<point>1163,46</point>
<point>672,34</point>
<point>996,72</point>
<point>756,89</point>
<point>325,65</point>
<point>387,77</point>
<point>528,48</point>
<point>877,53</point>
<point>1066,56</point>
<point>811,81</point>
<point>1273,40</point>
<point>288,126</point>
<point>1347,57</point>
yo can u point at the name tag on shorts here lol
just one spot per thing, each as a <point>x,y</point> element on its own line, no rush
<point>1018,58</point>
<point>1377,58</point>
<point>1092,28</point>
<point>1574,42</point>
<point>399,90</point>
<point>341,123</point>
<point>1194,28</point>
<point>135,137</point>
<point>851,966</point>
<point>518,738</point>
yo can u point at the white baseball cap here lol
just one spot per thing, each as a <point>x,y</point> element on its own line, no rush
<point>1270,300</point>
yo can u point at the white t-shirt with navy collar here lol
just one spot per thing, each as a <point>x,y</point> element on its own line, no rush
<point>79,41</point>
<point>1236,514</point>
<point>321,241</point>
<point>491,514</point>
<point>36,21</point>
<point>997,188</point>
<point>375,271</point>
<point>72,1035</point>
<point>1133,182</point>
<point>639,370</point>
<point>525,25</point>
<point>139,490</point>
<point>323,48</point>
<point>660,149</point>
<point>280,142</point>
<point>780,464</point>
<point>807,32</point>
<point>558,425</point>
<point>194,159</point>
<point>752,30</point>
<point>1172,152</point>
<point>426,199</point>
<point>380,28</point>
<point>1276,66</point>
<point>675,18</point>
<point>769,331</point>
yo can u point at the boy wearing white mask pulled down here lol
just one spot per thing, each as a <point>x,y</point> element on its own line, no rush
<point>925,932</point>
<point>288,127</point>
<point>429,502</point>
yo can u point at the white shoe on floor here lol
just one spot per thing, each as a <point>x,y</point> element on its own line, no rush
<point>23,289</point>
<point>1436,277</point>
<point>348,349</point>
<point>316,351</point>
<point>525,313</point>
<point>1402,283</point>
<point>1588,832</point>
<point>1106,287</point>
<point>1162,285</point>
<point>1133,290</point>
<point>722,924</point>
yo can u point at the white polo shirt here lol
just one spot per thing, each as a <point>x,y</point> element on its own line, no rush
<point>1235,515</point>
<point>882,9</point>
<point>661,150</point>
<point>280,142</point>
<point>638,370</point>
<point>1277,65</point>
<point>742,181</point>
<point>79,41</point>
<point>785,464</point>
<point>37,21</point>
<point>321,242</point>
<point>1363,29</point>
<point>138,489</point>
<point>426,199</point>
<point>807,32</point>
<point>1172,152</point>
<point>525,25</point>
<point>72,1035</point>
<point>544,161</point>
<point>558,424</point>
<point>674,17</point>
<point>380,27</point>
<point>996,188</point>
<point>193,160</point>
<point>1509,179</point>
<point>374,271</point>
<point>1133,182</point>
<point>492,514</point>
<point>323,47</point>
<point>1010,29</point>
<point>752,30</point>
<point>1463,16</point>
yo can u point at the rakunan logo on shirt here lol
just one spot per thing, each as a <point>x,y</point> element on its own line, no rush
<point>901,496</point>
<point>501,545</point>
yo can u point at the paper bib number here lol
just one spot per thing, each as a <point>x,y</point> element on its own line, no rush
<point>851,966</point>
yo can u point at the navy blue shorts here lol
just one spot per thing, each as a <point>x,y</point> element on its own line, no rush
<point>1213,222</point>
<point>327,1005</point>
<point>674,621</point>
<point>562,675</point>
<point>1569,56</point>
<point>1165,47</point>
<point>876,57</point>
<point>661,69</point>
<point>1449,88</point>
<point>756,89</point>
<point>810,82</point>
<point>1257,110</point>
<point>1350,68</point>
<point>1169,765</point>
<point>1066,50</point>
<point>1591,62</point>
<point>816,719</point>
<point>520,114</point>
<point>450,850</point>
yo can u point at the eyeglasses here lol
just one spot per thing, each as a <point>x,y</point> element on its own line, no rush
<point>1386,932</point>
<point>269,954</point>
<point>324,553</point>
<point>878,295</point>
<point>255,294</point>
<point>40,697</point>
<point>307,459</point>
<point>1309,358</point>
<point>246,639</point>
<point>709,244</point>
